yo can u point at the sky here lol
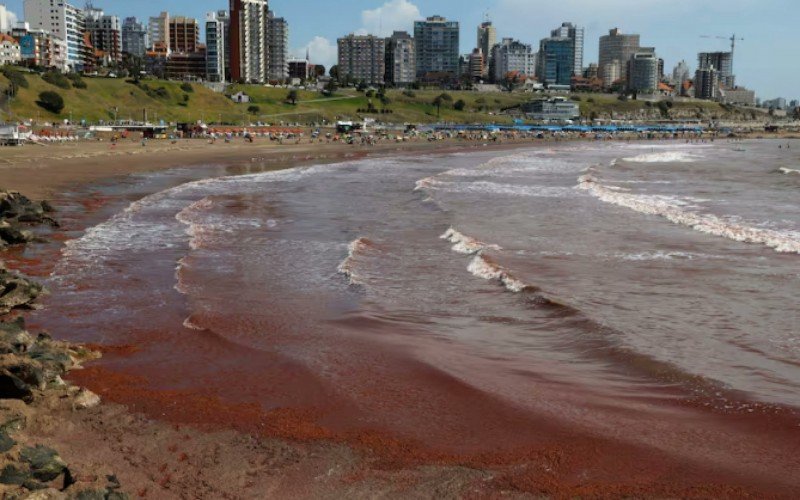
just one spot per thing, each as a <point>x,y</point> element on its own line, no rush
<point>767,60</point>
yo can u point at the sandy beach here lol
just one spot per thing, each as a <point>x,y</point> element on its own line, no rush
<point>175,443</point>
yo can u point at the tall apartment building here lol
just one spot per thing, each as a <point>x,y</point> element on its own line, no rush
<point>576,34</point>
<point>134,37</point>
<point>513,56</point>
<point>617,47</point>
<point>706,83</point>
<point>158,31</point>
<point>487,39</point>
<point>39,48</point>
<point>476,65</point>
<point>215,46</point>
<point>105,34</point>
<point>5,21</point>
<point>362,58</point>
<point>401,66</point>
<point>556,61</point>
<point>680,73</point>
<point>184,34</point>
<point>65,22</point>
<point>248,34</point>
<point>437,44</point>
<point>643,75</point>
<point>277,47</point>
<point>720,61</point>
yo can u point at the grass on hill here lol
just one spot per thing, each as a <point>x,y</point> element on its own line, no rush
<point>166,100</point>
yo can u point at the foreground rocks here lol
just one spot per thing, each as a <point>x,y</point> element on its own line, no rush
<point>32,368</point>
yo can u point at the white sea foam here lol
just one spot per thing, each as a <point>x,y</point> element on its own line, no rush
<point>466,244</point>
<point>789,171</point>
<point>675,211</point>
<point>493,188</point>
<point>484,268</point>
<point>347,267</point>
<point>664,157</point>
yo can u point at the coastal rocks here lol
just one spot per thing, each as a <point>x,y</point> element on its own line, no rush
<point>17,212</point>
<point>86,399</point>
<point>17,292</point>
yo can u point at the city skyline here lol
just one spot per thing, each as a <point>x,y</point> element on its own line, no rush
<point>758,61</point>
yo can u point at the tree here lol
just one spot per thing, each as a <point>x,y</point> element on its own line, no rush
<point>331,87</point>
<point>253,109</point>
<point>460,105</point>
<point>292,97</point>
<point>319,70</point>
<point>438,103</point>
<point>334,72</point>
<point>51,101</point>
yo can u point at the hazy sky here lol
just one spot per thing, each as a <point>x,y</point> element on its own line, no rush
<point>768,60</point>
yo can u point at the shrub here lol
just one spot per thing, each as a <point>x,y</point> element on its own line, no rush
<point>16,78</point>
<point>77,81</point>
<point>51,101</point>
<point>446,97</point>
<point>409,93</point>
<point>370,93</point>
<point>591,100</point>
<point>187,87</point>
<point>57,79</point>
<point>460,105</point>
<point>253,109</point>
<point>576,98</point>
<point>185,97</point>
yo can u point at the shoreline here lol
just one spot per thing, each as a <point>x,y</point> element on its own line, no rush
<point>184,450</point>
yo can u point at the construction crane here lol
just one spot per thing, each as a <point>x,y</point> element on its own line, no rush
<point>733,39</point>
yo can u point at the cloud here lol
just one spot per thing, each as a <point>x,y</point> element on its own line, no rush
<point>394,15</point>
<point>321,50</point>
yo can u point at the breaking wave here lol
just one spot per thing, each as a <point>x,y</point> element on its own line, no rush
<point>485,268</point>
<point>347,267</point>
<point>789,171</point>
<point>664,157</point>
<point>670,209</point>
<point>465,244</point>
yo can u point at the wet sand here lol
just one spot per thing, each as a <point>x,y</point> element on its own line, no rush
<point>168,443</point>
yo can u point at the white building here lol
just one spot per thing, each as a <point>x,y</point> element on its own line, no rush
<point>63,21</point>
<point>643,74</point>
<point>9,50</point>
<point>681,73</point>
<point>6,22</point>
<point>401,62</point>
<point>513,56</point>
<point>216,32</point>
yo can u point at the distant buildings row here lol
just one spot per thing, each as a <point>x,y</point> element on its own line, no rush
<point>245,43</point>
<point>432,55</point>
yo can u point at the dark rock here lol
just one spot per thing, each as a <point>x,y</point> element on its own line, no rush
<point>47,207</point>
<point>116,495</point>
<point>13,337</point>
<point>34,485</point>
<point>45,463</point>
<point>11,474</point>
<point>6,443</point>
<point>11,387</point>
<point>28,373</point>
<point>90,495</point>
<point>17,292</point>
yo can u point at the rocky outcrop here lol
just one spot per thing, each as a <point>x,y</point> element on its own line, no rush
<point>18,214</point>
<point>32,368</point>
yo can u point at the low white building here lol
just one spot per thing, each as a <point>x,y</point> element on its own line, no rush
<point>240,97</point>
<point>9,50</point>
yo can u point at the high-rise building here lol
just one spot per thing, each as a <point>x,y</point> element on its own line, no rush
<point>158,31</point>
<point>278,48</point>
<point>65,22</point>
<point>617,47</point>
<point>681,73</point>
<point>487,39</point>
<point>5,23</point>
<point>643,72</point>
<point>215,47</point>
<point>134,37</point>
<point>720,61</point>
<point>612,73</point>
<point>39,48</point>
<point>362,58</point>
<point>513,56</point>
<point>437,43</point>
<point>249,47</point>
<point>400,59</point>
<point>576,34</point>
<point>105,33</point>
<point>706,83</point>
<point>556,63</point>
<point>184,34</point>
<point>476,65</point>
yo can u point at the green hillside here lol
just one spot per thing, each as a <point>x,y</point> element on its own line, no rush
<point>172,102</point>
